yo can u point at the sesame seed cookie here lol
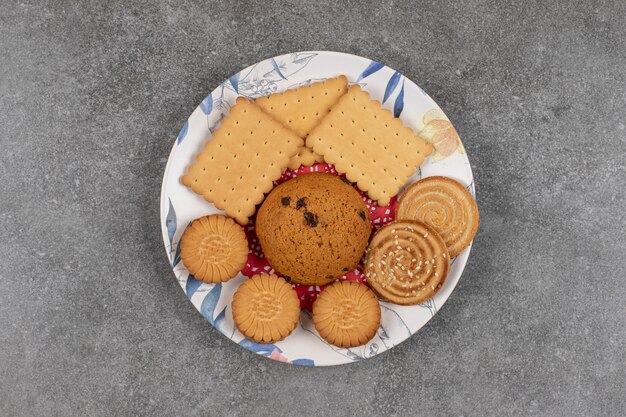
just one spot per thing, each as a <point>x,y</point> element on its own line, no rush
<point>407,262</point>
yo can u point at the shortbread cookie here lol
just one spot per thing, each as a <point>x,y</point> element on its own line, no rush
<point>214,248</point>
<point>446,206</point>
<point>366,142</point>
<point>407,262</point>
<point>239,164</point>
<point>346,314</point>
<point>301,109</point>
<point>313,228</point>
<point>266,308</point>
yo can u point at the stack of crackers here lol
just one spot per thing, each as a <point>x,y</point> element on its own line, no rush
<point>325,121</point>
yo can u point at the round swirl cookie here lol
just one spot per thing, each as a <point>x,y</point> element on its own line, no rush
<point>266,308</point>
<point>446,206</point>
<point>313,228</point>
<point>346,314</point>
<point>407,262</point>
<point>214,248</point>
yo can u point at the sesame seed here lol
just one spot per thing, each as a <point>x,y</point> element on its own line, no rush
<point>425,235</point>
<point>436,274</point>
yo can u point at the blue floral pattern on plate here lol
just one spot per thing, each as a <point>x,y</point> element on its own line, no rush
<point>179,206</point>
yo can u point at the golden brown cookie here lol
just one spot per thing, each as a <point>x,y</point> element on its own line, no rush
<point>313,228</point>
<point>446,206</point>
<point>346,314</point>
<point>407,262</point>
<point>214,248</point>
<point>266,308</point>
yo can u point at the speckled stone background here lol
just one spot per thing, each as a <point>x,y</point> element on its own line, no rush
<point>92,321</point>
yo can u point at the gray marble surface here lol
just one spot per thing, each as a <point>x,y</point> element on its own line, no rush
<point>92,321</point>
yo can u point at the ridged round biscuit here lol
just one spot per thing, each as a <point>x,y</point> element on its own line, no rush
<point>446,206</point>
<point>346,314</point>
<point>214,248</point>
<point>407,262</point>
<point>313,228</point>
<point>266,308</point>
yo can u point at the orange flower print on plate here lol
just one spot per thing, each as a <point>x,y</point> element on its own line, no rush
<point>439,132</point>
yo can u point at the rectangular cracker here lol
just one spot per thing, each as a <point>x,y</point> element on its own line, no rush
<point>301,109</point>
<point>247,153</point>
<point>373,148</point>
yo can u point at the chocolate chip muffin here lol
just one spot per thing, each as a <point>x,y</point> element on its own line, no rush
<point>313,229</point>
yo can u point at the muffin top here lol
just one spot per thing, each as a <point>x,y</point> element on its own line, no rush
<point>313,229</point>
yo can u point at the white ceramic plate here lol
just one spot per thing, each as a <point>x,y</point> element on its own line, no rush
<point>179,205</point>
